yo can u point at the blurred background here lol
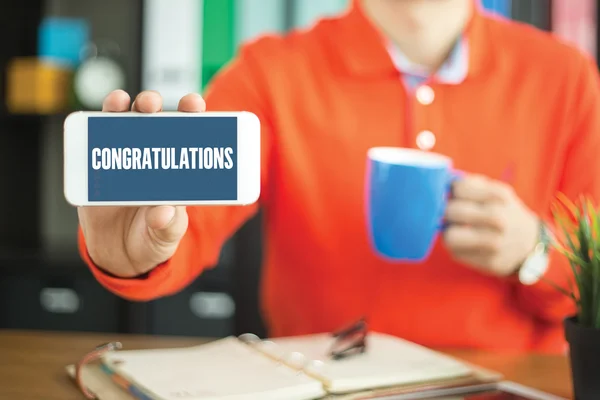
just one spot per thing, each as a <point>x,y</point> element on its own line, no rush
<point>58,56</point>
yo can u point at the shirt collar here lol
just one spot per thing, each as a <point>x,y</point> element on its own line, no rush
<point>363,52</point>
<point>453,71</point>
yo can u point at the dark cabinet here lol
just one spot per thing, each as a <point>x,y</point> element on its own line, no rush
<point>204,308</point>
<point>61,299</point>
<point>196,311</point>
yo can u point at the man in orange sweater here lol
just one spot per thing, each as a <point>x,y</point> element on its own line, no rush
<point>513,107</point>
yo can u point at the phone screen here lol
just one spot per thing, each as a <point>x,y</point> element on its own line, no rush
<point>162,159</point>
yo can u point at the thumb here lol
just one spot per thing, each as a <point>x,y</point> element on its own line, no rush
<point>167,223</point>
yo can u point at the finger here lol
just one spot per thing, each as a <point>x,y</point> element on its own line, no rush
<point>467,212</point>
<point>159,217</point>
<point>484,262</point>
<point>192,102</point>
<point>477,260</point>
<point>167,224</point>
<point>477,257</point>
<point>480,189</point>
<point>460,239</point>
<point>116,101</point>
<point>147,102</point>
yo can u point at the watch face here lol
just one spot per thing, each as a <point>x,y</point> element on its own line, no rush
<point>534,268</point>
<point>95,79</point>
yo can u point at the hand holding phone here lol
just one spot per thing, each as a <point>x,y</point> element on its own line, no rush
<point>126,240</point>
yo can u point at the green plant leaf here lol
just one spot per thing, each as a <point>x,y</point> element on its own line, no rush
<point>579,242</point>
<point>567,230</point>
<point>567,203</point>
<point>562,290</point>
<point>594,260</point>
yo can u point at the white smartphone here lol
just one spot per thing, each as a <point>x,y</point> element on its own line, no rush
<point>167,158</point>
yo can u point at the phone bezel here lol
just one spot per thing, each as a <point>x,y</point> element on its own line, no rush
<point>76,157</point>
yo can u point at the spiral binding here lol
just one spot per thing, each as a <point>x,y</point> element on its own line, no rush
<point>346,343</point>
<point>92,356</point>
<point>294,360</point>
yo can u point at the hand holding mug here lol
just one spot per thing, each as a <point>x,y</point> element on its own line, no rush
<point>489,227</point>
<point>413,196</point>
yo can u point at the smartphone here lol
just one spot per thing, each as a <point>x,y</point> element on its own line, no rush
<point>493,391</point>
<point>167,158</point>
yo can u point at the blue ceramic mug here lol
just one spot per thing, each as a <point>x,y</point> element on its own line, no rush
<point>407,193</point>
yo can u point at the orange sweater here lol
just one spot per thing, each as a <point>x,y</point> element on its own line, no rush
<point>527,112</point>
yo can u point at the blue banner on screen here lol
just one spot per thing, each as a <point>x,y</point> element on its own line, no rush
<point>162,159</point>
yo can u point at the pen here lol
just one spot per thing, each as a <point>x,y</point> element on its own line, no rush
<point>349,341</point>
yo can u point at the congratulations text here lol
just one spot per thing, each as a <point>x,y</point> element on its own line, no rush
<point>150,158</point>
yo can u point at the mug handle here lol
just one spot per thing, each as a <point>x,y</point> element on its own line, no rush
<point>455,175</point>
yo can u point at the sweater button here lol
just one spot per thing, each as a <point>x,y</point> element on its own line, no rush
<point>425,140</point>
<point>425,95</point>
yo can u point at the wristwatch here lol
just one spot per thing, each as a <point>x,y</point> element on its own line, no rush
<point>536,264</point>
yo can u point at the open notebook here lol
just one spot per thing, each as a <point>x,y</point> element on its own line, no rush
<point>294,368</point>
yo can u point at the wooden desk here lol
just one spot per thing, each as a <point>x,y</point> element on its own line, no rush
<point>32,363</point>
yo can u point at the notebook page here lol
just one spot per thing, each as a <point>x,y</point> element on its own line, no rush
<point>226,369</point>
<point>388,361</point>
